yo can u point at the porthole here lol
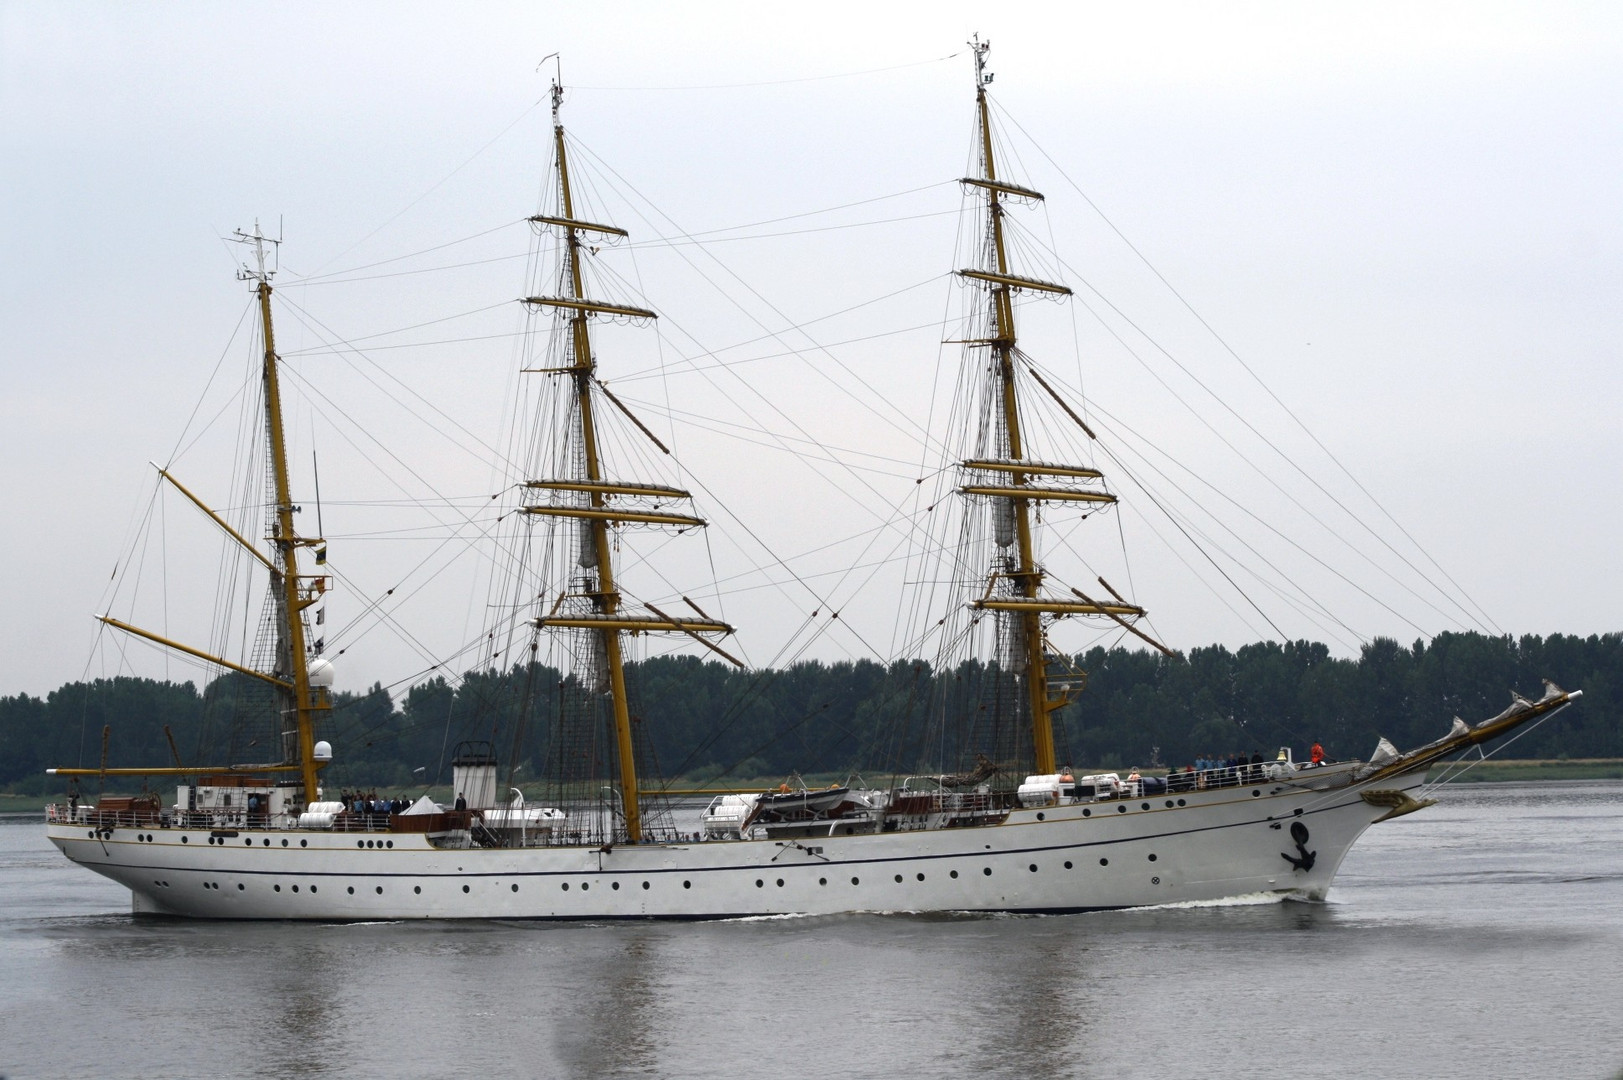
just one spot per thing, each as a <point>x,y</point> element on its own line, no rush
<point>1067,864</point>
<point>1033,868</point>
<point>898,879</point>
<point>822,881</point>
<point>1040,816</point>
<point>987,870</point>
<point>465,888</point>
<point>284,843</point>
<point>856,881</point>
<point>360,843</point>
<point>583,886</point>
<point>295,888</point>
<point>780,883</point>
<point>685,885</point>
<point>380,890</point>
<point>1155,881</point>
<point>919,876</point>
<point>1152,856</point>
<point>276,888</point>
<point>615,885</point>
<point>418,889</point>
<point>267,841</point>
<point>1256,794</point>
<point>388,843</point>
<point>1086,812</point>
<point>352,890</point>
<point>241,887</point>
<point>566,886</point>
<point>1104,862</point>
<point>644,885</point>
<point>515,886</point>
<point>248,841</point>
<point>1182,803</point>
<point>304,843</point>
<point>953,874</point>
<point>1169,804</point>
<point>182,839</point>
<point>312,888</point>
<point>1121,809</point>
<point>759,883</point>
<point>1143,806</point>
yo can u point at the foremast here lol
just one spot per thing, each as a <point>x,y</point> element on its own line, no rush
<point>1014,483</point>
<point>589,498</point>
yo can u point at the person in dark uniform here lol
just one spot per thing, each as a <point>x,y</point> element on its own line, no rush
<point>461,803</point>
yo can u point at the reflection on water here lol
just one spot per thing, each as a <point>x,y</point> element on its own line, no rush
<point>1480,938</point>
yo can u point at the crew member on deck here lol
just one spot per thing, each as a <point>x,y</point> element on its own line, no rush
<point>1316,755</point>
<point>461,803</point>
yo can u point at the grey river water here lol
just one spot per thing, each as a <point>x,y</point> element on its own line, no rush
<point>1480,938</point>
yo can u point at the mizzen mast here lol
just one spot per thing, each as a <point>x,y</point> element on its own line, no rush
<point>292,594</point>
<point>1013,483</point>
<point>596,605</point>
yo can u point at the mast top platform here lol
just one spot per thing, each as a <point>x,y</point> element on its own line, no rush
<point>983,78</point>
<point>258,271</point>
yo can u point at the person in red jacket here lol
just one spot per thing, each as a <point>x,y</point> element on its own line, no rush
<point>1317,754</point>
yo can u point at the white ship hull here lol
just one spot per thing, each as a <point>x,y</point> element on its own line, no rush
<point>1184,846</point>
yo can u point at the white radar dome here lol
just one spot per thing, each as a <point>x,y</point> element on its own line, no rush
<point>322,751</point>
<point>321,673</point>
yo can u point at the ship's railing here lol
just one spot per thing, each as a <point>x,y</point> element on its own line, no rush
<point>1192,779</point>
<point>916,801</point>
<point>97,818</point>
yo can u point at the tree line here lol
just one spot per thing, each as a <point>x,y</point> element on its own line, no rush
<point>703,720</point>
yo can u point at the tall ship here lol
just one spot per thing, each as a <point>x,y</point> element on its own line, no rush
<point>1006,826</point>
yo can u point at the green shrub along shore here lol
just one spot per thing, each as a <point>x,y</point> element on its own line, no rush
<point>708,723</point>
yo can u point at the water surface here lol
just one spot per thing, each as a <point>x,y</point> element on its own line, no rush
<point>1480,938</point>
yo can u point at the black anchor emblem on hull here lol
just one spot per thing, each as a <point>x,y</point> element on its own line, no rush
<point>1304,859</point>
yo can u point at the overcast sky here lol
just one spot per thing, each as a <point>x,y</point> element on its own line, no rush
<point>1402,217</point>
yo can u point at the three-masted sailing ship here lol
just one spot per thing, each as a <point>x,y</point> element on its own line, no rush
<point>262,840</point>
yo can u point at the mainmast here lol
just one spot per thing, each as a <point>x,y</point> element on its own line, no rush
<point>1015,590</point>
<point>599,607</point>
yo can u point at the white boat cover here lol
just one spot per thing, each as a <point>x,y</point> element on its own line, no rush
<point>424,805</point>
